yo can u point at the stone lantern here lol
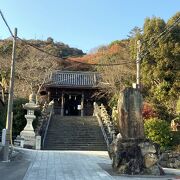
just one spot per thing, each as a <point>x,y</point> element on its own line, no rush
<point>28,133</point>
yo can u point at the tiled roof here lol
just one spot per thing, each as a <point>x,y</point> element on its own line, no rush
<point>73,79</point>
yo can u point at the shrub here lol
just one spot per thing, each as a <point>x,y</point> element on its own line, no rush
<point>158,131</point>
<point>176,138</point>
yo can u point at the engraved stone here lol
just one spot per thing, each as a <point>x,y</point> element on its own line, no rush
<point>130,114</point>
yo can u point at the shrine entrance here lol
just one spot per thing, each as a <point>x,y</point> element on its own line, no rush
<point>72,105</point>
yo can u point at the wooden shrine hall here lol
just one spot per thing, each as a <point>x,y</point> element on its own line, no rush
<point>72,92</point>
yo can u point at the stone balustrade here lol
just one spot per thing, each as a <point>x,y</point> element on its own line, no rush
<point>106,121</point>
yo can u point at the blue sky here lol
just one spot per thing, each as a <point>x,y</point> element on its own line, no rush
<point>83,24</point>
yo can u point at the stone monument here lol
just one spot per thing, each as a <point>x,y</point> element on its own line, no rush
<point>28,133</point>
<point>130,114</point>
<point>130,152</point>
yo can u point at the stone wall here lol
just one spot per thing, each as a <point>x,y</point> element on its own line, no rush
<point>170,160</point>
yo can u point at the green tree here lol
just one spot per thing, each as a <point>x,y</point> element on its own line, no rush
<point>160,63</point>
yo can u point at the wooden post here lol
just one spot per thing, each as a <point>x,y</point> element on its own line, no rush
<point>82,104</point>
<point>62,104</point>
<point>49,96</point>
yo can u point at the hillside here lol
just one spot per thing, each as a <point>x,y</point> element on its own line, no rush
<point>116,51</point>
<point>32,65</point>
<point>114,77</point>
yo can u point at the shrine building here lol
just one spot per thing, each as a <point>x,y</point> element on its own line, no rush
<point>72,92</point>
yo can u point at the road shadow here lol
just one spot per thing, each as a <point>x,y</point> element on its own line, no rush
<point>15,169</point>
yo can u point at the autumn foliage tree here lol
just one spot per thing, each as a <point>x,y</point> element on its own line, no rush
<point>148,111</point>
<point>115,77</point>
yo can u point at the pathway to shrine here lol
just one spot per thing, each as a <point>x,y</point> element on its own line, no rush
<point>74,165</point>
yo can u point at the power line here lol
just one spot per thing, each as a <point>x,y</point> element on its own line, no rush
<point>161,35</point>
<point>9,29</point>
<point>70,60</point>
<point>167,30</point>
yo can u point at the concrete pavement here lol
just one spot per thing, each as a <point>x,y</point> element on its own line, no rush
<point>75,165</point>
<point>67,165</point>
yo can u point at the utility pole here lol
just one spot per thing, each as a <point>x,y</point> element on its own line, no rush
<point>138,64</point>
<point>10,100</point>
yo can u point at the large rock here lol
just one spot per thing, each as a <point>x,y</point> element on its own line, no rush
<point>135,156</point>
<point>155,170</point>
<point>147,147</point>
<point>150,159</point>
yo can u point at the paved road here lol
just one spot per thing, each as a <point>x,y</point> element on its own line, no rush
<point>74,165</point>
<point>13,170</point>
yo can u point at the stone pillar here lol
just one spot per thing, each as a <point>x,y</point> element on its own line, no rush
<point>28,133</point>
<point>62,104</point>
<point>82,104</point>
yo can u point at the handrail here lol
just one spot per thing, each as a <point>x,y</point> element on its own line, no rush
<point>47,126</point>
<point>97,114</point>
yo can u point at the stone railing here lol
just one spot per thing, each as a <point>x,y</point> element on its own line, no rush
<point>45,124</point>
<point>105,123</point>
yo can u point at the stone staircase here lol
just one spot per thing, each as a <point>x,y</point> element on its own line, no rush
<point>74,133</point>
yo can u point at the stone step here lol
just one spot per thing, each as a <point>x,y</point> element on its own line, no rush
<point>73,124</point>
<point>88,134</point>
<point>74,133</point>
<point>73,139</point>
<point>76,149</point>
<point>76,144</point>
<point>52,138</point>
